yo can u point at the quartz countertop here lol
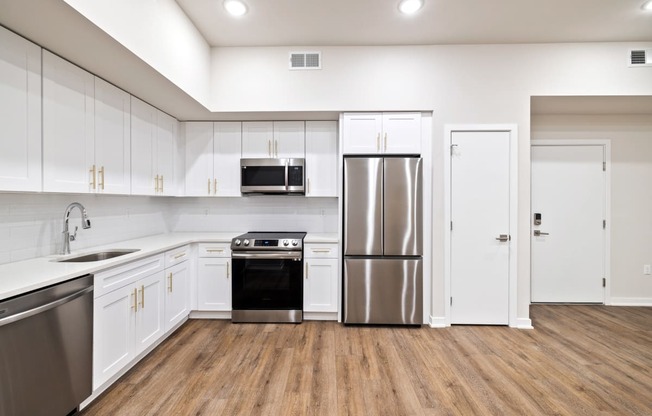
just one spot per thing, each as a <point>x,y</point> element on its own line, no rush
<point>24,276</point>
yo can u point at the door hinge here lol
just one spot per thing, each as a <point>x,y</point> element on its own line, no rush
<point>604,224</point>
<point>604,282</point>
<point>452,146</point>
<point>604,166</point>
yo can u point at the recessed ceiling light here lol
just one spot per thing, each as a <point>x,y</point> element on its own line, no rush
<point>410,6</point>
<point>235,7</point>
<point>647,5</point>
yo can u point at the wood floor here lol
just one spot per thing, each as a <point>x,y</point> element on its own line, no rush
<point>579,360</point>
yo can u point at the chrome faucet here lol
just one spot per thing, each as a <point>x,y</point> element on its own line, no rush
<point>86,223</point>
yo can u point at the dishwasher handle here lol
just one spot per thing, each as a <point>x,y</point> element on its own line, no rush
<point>45,307</point>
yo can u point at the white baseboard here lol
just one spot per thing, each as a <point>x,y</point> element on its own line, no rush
<point>438,322</point>
<point>210,315</point>
<point>319,316</point>
<point>524,323</point>
<point>631,301</point>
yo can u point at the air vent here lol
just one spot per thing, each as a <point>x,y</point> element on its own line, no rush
<point>305,60</point>
<point>640,57</point>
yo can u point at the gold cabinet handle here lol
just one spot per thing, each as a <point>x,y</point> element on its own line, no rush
<point>100,174</point>
<point>228,272</point>
<point>135,294</point>
<point>162,182</point>
<point>142,297</point>
<point>215,250</point>
<point>156,184</point>
<point>306,270</point>
<point>215,186</point>
<point>385,141</point>
<point>269,148</point>
<point>308,191</point>
<point>92,172</point>
<point>209,186</point>
<point>378,143</point>
<point>276,148</point>
<point>178,256</point>
<point>321,250</point>
<point>170,279</point>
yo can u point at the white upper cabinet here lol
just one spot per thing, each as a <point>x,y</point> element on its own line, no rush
<point>382,133</point>
<point>153,150</point>
<point>321,159</point>
<point>112,139</point>
<point>213,158</point>
<point>20,113</point>
<point>273,139</point>
<point>68,127</point>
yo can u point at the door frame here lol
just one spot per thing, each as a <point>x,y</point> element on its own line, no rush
<point>607,201</point>
<point>449,129</point>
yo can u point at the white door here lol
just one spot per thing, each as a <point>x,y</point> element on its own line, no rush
<point>227,147</point>
<point>361,133</point>
<point>321,158</point>
<point>289,139</point>
<point>480,216</point>
<point>166,148</point>
<point>177,294</point>
<point>257,139</point>
<point>401,133</point>
<point>199,158</point>
<point>214,284</point>
<point>568,255</point>
<point>143,146</point>
<point>320,285</point>
<point>150,317</point>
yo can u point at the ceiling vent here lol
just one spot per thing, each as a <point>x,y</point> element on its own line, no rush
<point>640,57</point>
<point>305,60</point>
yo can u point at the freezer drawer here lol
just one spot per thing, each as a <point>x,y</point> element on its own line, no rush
<point>383,291</point>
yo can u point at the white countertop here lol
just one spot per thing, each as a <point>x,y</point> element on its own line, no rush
<point>24,276</point>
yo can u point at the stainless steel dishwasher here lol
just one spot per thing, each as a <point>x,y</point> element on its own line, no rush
<point>46,340</point>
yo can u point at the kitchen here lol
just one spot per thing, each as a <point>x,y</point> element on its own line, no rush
<point>33,220</point>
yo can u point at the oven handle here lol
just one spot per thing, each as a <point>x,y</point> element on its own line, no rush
<point>289,255</point>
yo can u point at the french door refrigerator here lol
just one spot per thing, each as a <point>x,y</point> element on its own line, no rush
<point>383,281</point>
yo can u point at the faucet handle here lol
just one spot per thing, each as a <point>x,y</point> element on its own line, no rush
<point>74,234</point>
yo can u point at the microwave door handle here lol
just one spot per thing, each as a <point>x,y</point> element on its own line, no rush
<point>287,182</point>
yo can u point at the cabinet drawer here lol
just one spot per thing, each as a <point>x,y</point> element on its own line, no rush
<point>215,250</point>
<point>120,276</point>
<point>316,250</point>
<point>177,255</point>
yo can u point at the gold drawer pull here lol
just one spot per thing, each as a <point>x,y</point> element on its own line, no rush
<point>178,256</point>
<point>135,295</point>
<point>321,250</point>
<point>170,287</point>
<point>92,172</point>
<point>215,250</point>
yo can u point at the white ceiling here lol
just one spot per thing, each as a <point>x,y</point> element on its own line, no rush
<point>378,22</point>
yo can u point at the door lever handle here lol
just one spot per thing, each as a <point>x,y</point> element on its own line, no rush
<point>538,233</point>
<point>503,237</point>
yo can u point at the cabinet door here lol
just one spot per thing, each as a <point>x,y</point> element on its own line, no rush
<point>166,147</point>
<point>321,158</point>
<point>143,146</point>
<point>68,117</point>
<point>177,294</point>
<point>289,139</point>
<point>320,285</point>
<point>112,139</point>
<point>20,113</point>
<point>150,317</point>
<point>257,139</point>
<point>402,133</point>
<point>362,133</point>
<point>113,333</point>
<point>214,284</point>
<point>199,158</point>
<point>227,145</point>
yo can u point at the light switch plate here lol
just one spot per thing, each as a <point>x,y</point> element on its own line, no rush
<point>647,269</point>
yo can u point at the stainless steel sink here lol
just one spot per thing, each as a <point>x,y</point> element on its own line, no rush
<point>98,255</point>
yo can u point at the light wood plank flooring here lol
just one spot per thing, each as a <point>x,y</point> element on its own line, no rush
<point>579,360</point>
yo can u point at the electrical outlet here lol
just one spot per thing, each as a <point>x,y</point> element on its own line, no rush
<point>647,269</point>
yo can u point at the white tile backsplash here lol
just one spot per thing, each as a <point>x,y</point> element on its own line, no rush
<point>31,224</point>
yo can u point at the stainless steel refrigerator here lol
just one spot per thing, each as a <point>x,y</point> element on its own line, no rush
<point>383,282</point>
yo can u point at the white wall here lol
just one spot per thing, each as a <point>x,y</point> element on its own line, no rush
<point>631,194</point>
<point>461,84</point>
<point>31,224</point>
<point>255,213</point>
<point>159,33</point>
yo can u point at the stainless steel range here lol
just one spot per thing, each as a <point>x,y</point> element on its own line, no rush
<point>267,284</point>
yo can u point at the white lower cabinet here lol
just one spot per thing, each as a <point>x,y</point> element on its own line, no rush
<point>177,289</point>
<point>320,278</point>
<point>214,277</point>
<point>127,320</point>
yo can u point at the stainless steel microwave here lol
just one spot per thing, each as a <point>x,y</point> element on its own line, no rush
<point>272,176</point>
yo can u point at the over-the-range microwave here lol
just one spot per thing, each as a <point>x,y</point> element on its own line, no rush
<point>272,176</point>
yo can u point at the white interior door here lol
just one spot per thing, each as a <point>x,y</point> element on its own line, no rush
<point>480,179</point>
<point>568,191</point>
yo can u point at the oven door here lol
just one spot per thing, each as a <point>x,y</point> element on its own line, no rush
<point>269,286</point>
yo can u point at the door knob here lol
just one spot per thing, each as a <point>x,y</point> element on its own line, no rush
<point>503,237</point>
<point>538,233</point>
